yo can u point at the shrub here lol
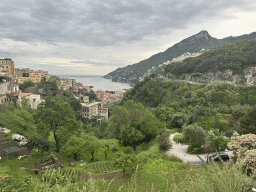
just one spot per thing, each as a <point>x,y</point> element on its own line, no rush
<point>7,134</point>
<point>128,150</point>
<point>244,148</point>
<point>164,141</point>
<point>39,142</point>
<point>194,134</point>
<point>195,149</point>
<point>179,138</point>
<point>220,142</point>
<point>178,120</point>
<point>173,130</point>
<point>114,148</point>
<point>127,162</point>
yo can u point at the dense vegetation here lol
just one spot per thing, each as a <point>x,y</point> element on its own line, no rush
<point>131,146</point>
<point>236,57</point>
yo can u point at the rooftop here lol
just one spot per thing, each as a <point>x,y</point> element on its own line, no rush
<point>90,104</point>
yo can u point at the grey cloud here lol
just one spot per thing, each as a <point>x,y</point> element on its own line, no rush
<point>105,22</point>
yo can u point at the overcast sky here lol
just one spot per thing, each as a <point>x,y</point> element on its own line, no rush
<point>94,37</point>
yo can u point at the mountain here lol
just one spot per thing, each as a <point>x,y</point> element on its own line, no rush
<point>194,43</point>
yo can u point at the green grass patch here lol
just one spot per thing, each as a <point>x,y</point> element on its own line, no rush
<point>164,165</point>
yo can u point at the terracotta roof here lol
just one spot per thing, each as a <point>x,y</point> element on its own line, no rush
<point>25,94</point>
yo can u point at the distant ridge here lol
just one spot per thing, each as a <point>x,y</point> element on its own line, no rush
<point>194,43</point>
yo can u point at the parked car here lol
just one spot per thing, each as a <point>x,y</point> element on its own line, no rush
<point>219,157</point>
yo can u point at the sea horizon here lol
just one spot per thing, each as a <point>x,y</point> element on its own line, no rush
<point>97,81</point>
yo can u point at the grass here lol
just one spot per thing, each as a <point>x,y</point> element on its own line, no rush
<point>158,175</point>
<point>156,171</point>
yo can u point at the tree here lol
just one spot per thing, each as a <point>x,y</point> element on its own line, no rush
<point>194,134</point>
<point>131,136</point>
<point>39,142</point>
<point>177,120</point>
<point>92,96</point>
<point>50,86</point>
<point>18,120</point>
<point>68,96</point>
<point>26,84</point>
<point>248,122</point>
<point>74,147</point>
<point>57,116</point>
<point>119,118</point>
<point>209,147</point>
<point>132,123</point>
<point>92,143</point>
<point>164,140</point>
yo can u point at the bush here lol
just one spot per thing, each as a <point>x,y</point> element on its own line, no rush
<point>164,140</point>
<point>179,138</point>
<point>220,141</point>
<point>194,134</point>
<point>7,134</point>
<point>114,148</point>
<point>195,149</point>
<point>173,130</point>
<point>128,150</point>
<point>127,162</point>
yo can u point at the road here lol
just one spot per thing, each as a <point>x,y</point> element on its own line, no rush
<point>180,151</point>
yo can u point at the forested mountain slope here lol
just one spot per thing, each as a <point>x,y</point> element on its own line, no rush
<point>234,56</point>
<point>190,44</point>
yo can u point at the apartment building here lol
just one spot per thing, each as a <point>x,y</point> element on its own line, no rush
<point>21,80</point>
<point>7,66</point>
<point>30,73</point>
<point>94,111</point>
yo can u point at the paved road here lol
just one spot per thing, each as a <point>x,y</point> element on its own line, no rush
<point>180,151</point>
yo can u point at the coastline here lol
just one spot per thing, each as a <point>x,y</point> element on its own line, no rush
<point>97,81</point>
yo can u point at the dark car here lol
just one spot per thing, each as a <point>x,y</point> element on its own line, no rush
<point>219,157</point>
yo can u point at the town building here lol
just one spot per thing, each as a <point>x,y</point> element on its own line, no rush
<point>21,80</point>
<point>94,111</point>
<point>33,99</point>
<point>30,73</point>
<point>101,95</point>
<point>7,66</point>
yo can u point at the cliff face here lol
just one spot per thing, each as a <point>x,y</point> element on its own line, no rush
<point>248,76</point>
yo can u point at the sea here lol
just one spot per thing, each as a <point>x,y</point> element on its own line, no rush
<point>97,81</point>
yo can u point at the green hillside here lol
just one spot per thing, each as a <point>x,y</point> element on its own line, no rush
<point>234,56</point>
<point>190,44</point>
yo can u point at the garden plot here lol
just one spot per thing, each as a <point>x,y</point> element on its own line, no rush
<point>104,167</point>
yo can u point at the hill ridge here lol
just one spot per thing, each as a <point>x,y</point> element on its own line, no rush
<point>194,43</point>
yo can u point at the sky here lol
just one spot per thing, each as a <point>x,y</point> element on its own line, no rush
<point>94,37</point>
